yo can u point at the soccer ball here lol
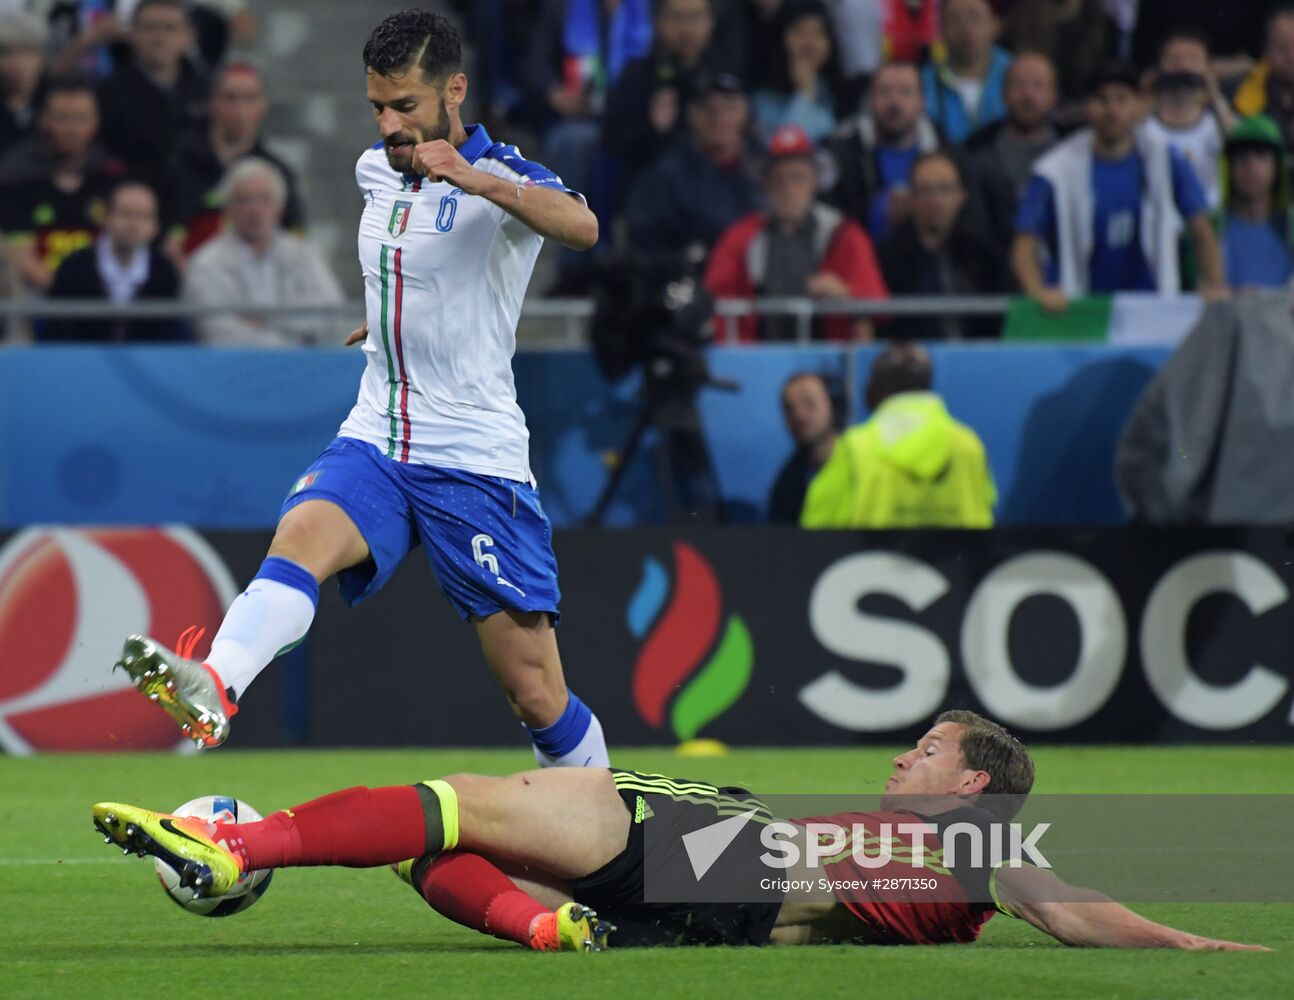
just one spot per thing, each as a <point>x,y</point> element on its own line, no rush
<point>250,886</point>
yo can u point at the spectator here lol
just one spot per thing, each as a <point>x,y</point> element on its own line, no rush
<point>935,253</point>
<point>83,35</point>
<point>22,63</point>
<point>814,414</point>
<point>53,186</point>
<point>500,35</point>
<point>799,246</point>
<point>1121,18</point>
<point>809,89</point>
<point>1255,225</point>
<point>92,36</point>
<point>156,94</point>
<point>1189,112</point>
<point>645,107</point>
<point>727,50</point>
<point>873,32</point>
<point>253,262</point>
<point>1237,29</point>
<point>123,266</point>
<point>579,49</point>
<point>1000,157</point>
<point>762,38</point>
<point>872,156</point>
<point>219,25</point>
<point>963,84</point>
<point>1079,36</point>
<point>705,183</point>
<point>238,108</point>
<point>1107,206</point>
<point>1269,89</point>
<point>911,465</point>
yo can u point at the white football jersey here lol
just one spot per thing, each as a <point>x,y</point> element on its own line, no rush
<point>444,276</point>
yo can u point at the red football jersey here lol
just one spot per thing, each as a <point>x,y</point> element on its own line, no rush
<point>899,902</point>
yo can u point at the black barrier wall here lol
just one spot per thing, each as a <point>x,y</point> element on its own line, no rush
<point>751,636</point>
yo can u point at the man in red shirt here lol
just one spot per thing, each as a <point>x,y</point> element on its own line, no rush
<point>799,247</point>
<point>592,834</point>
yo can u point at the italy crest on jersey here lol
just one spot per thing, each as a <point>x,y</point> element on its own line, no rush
<point>399,218</point>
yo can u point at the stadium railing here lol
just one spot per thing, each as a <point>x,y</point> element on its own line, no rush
<point>571,315</point>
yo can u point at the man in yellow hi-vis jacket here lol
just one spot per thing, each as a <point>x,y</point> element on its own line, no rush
<point>911,465</point>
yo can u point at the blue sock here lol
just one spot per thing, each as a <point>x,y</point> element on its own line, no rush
<point>574,740</point>
<point>291,574</point>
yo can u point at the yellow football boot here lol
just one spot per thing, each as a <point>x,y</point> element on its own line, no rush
<point>186,843</point>
<point>571,927</point>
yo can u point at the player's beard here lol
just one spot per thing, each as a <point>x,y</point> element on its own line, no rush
<point>401,159</point>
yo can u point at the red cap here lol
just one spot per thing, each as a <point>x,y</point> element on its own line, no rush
<point>789,140</point>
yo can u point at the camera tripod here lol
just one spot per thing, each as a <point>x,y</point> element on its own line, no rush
<point>685,472</point>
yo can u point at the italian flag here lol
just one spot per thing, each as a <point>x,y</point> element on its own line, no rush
<point>1128,319</point>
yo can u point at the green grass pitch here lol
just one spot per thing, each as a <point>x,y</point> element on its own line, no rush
<point>78,919</point>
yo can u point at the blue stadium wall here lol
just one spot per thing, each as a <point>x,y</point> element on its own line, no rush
<point>214,438</point>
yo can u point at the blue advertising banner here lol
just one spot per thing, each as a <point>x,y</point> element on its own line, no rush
<point>136,435</point>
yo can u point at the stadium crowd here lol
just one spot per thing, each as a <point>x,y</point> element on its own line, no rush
<point>843,149</point>
<point>915,147</point>
<point>132,166</point>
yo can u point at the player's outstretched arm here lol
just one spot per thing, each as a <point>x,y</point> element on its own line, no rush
<point>553,214</point>
<point>1088,919</point>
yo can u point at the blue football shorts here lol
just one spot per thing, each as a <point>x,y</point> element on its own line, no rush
<point>488,539</point>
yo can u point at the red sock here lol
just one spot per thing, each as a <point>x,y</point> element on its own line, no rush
<point>358,828</point>
<point>471,891</point>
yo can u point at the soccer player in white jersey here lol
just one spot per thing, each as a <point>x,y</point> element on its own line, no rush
<point>435,449</point>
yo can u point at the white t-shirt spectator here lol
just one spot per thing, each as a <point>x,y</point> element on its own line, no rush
<point>292,272</point>
<point>1201,144</point>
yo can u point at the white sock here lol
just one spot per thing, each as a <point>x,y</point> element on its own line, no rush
<point>590,751</point>
<point>264,619</point>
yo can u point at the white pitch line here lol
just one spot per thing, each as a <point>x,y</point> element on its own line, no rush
<point>17,862</point>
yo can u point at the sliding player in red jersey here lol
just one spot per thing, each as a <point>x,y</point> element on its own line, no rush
<point>581,834</point>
